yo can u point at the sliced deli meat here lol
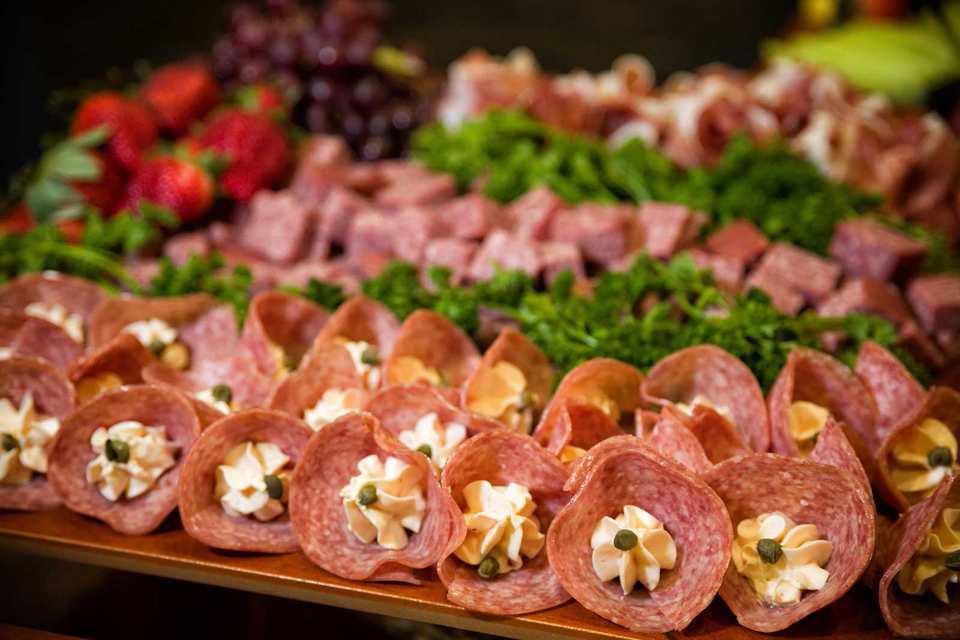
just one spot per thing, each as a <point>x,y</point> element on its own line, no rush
<point>895,391</point>
<point>835,447</point>
<point>116,315</point>
<point>50,295</point>
<point>279,330</point>
<point>35,399</point>
<point>364,323</point>
<point>717,434</point>
<point>26,335</point>
<point>708,376</point>
<point>118,457</point>
<point>234,486</point>
<point>644,542</point>
<point>430,349</point>
<point>364,507</point>
<point>804,533</point>
<point>936,301</point>
<point>120,361</point>
<point>509,490</point>
<point>672,437</point>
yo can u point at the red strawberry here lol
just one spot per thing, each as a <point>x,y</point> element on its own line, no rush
<point>262,99</point>
<point>257,149</point>
<point>17,219</point>
<point>104,193</point>
<point>132,128</point>
<point>177,184</point>
<point>180,94</point>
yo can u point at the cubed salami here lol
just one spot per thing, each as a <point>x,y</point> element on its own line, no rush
<point>278,227</point>
<point>533,212</point>
<point>502,249</point>
<point>559,256</point>
<point>668,228</point>
<point>871,250</point>
<point>807,273</point>
<point>783,296</point>
<point>451,253</point>
<point>936,301</point>
<point>599,230</point>
<point>727,270</point>
<point>741,240</point>
<point>862,295</point>
<point>468,217</point>
<point>428,190</point>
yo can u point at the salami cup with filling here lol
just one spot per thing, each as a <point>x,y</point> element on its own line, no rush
<point>118,457</point>
<point>53,294</point>
<point>234,481</point>
<point>509,490</point>
<point>279,330</point>
<point>429,348</point>
<point>644,543</point>
<point>804,532</point>
<point>364,507</point>
<point>34,400</point>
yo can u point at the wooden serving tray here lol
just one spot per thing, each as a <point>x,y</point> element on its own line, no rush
<point>171,553</point>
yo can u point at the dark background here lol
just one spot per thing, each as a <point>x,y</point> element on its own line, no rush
<point>52,44</point>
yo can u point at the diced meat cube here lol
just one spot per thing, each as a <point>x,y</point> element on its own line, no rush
<point>782,295</point>
<point>599,231</point>
<point>949,342</point>
<point>401,171</point>
<point>221,234</point>
<point>803,271</point>
<point>727,271</point>
<point>468,217</point>
<point>372,232</point>
<point>918,344</point>
<point>668,228</point>
<point>560,256</point>
<point>278,226</point>
<point>871,250</point>
<point>427,190</point>
<point>533,213</point>
<point>741,240</point>
<point>863,295</point>
<point>506,251</point>
<point>936,301</point>
<point>453,253</point>
<point>367,265</point>
<point>180,247</point>
<point>323,151</point>
<point>336,212</point>
<point>413,228</point>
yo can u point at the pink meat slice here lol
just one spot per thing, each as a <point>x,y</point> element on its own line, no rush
<point>835,449</point>
<point>283,320</point>
<point>326,465</point>
<point>672,437</point>
<point>361,318</point>
<point>213,336</point>
<point>52,395</point>
<point>36,338</point>
<point>895,391</point>
<point>578,424</point>
<point>809,493</point>
<point>76,295</point>
<point>581,467</point>
<point>327,366</point>
<point>719,438</point>
<point>124,356</point>
<point>71,452</point>
<point>502,457</point>
<point>438,343</point>
<point>711,372</point>
<point>201,513</point>
<point>399,406</point>
<point>689,510</point>
<point>115,314</point>
<point>248,386</point>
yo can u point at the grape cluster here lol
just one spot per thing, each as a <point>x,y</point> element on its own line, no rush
<point>332,63</point>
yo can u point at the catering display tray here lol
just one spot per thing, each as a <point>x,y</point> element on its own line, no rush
<point>171,553</point>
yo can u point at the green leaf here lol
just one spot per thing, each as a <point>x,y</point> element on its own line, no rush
<point>67,162</point>
<point>91,137</point>
<point>44,197</point>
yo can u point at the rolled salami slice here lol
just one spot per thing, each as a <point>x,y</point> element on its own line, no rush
<point>115,314</point>
<point>362,319</point>
<point>51,289</point>
<point>588,404</point>
<point>280,327</point>
<point>920,450</point>
<point>815,377</point>
<point>327,464</point>
<point>203,516</point>
<point>503,457</point>
<point>52,395</point>
<point>249,387</point>
<point>72,452</point>
<point>399,406</point>
<point>582,465</point>
<point>327,366</point>
<point>895,391</point>
<point>922,615</point>
<point>711,375</point>
<point>808,493</point>
<point>429,348</point>
<point>717,435</point>
<point>119,362</point>
<point>643,478</point>
<point>672,437</point>
<point>512,382</point>
<point>834,447</point>
<point>32,337</point>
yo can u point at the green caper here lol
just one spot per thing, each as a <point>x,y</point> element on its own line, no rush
<point>274,486</point>
<point>443,378</point>
<point>370,356</point>
<point>526,400</point>
<point>940,457</point>
<point>290,363</point>
<point>426,450</point>
<point>953,561</point>
<point>489,568</point>
<point>367,495</point>
<point>10,443</point>
<point>117,451</point>
<point>156,347</point>
<point>769,550</point>
<point>625,540</point>
<point>222,393</point>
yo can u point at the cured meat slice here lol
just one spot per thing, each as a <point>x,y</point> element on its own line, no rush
<point>202,514</point>
<point>327,366</point>
<point>641,477</point>
<point>362,319</point>
<point>588,404</point>
<point>426,338</point>
<point>25,335</point>
<point>673,438</point>
<point>497,391</point>
<point>808,493</point>
<point>248,386</point>
<point>76,295</point>
<point>582,465</point>
<point>834,447</point>
<point>52,395</point>
<point>717,435</point>
<point>895,391</point>
<point>116,363</point>
<point>280,326</point>
<point>71,453</point>
<point>399,406</point>
<point>813,376</point>
<point>917,616</point>
<point>327,464</point>
<point>940,410</point>
<point>502,457</point>
<point>709,373</point>
<point>213,336</point>
<point>115,314</point>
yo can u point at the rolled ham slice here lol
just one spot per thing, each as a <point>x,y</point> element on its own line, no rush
<point>690,512</point>
<point>809,493</point>
<point>327,366</point>
<point>327,464</point>
<point>278,319</point>
<point>399,406</point>
<point>71,452</point>
<point>720,378</point>
<point>895,391</point>
<point>201,513</point>
<point>502,457</point>
<point>438,343</point>
<point>52,395</point>
<point>32,337</point>
<point>76,295</point>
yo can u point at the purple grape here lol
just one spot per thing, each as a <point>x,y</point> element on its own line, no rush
<point>254,70</point>
<point>284,51</point>
<point>317,119</point>
<point>242,13</point>
<point>253,34</point>
<point>223,69</point>
<point>320,89</point>
<point>375,148</point>
<point>402,117</point>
